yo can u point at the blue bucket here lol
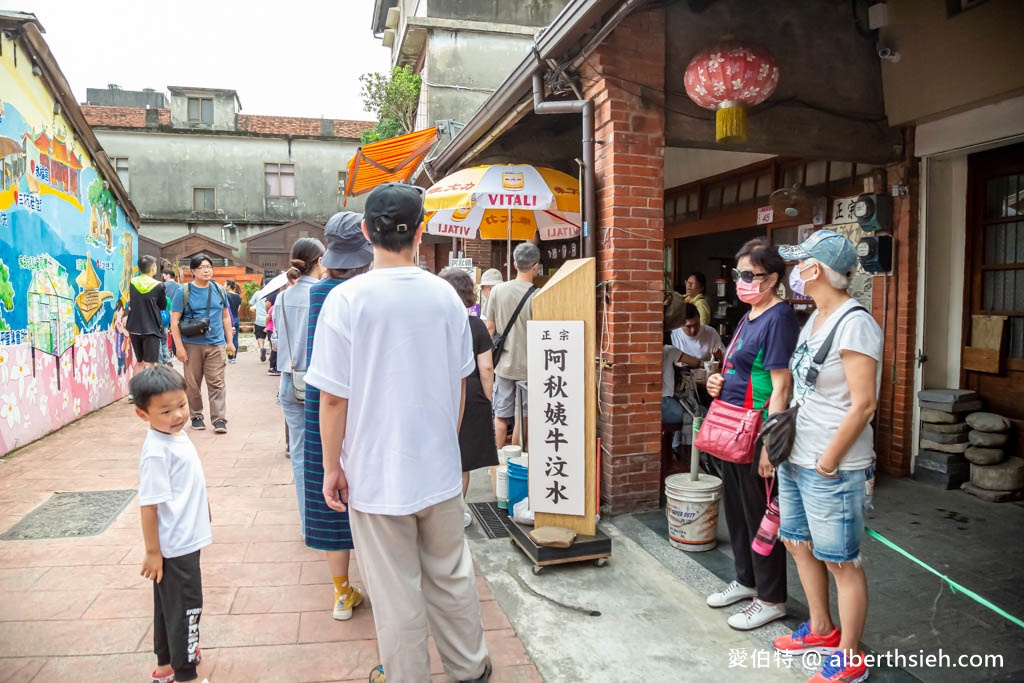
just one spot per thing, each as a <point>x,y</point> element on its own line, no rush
<point>518,482</point>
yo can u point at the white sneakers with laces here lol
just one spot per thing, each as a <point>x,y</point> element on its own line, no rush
<point>733,592</point>
<point>757,614</point>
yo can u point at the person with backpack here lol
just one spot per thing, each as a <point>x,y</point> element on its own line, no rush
<point>200,321</point>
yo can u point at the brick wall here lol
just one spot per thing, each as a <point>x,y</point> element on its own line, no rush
<point>894,418</point>
<point>625,79</point>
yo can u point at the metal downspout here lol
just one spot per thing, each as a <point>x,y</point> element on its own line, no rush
<point>586,108</point>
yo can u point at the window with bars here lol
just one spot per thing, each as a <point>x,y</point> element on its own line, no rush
<point>204,199</point>
<point>280,179</point>
<point>121,167</point>
<point>200,110</point>
<point>1002,266</point>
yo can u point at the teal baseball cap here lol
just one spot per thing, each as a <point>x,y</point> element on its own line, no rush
<point>828,247</point>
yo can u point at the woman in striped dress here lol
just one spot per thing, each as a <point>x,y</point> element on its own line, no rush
<point>348,254</point>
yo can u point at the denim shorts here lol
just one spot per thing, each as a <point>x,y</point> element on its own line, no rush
<point>826,512</point>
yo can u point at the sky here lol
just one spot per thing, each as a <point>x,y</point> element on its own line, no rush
<point>304,58</point>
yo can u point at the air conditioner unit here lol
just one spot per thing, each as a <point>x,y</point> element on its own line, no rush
<point>394,14</point>
<point>389,38</point>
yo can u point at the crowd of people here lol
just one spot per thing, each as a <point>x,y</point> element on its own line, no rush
<point>373,430</point>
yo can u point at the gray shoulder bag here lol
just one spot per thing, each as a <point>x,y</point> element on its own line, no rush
<point>298,376</point>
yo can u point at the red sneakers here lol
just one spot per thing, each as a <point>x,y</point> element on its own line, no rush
<point>803,640</point>
<point>837,670</point>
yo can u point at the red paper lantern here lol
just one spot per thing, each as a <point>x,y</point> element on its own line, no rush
<point>727,78</point>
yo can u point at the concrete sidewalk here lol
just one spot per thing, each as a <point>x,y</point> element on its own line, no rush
<point>78,610</point>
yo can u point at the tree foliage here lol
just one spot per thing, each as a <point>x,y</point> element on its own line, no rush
<point>393,99</point>
<point>6,294</point>
<point>103,201</point>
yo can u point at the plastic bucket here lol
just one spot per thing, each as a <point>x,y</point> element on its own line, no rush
<point>507,452</point>
<point>501,488</point>
<point>692,511</point>
<point>518,482</point>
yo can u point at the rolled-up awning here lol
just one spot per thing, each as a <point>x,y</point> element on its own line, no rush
<point>387,161</point>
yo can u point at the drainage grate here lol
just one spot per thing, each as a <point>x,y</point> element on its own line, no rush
<point>70,515</point>
<point>493,519</point>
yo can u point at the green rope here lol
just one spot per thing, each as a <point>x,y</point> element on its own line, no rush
<point>953,585</point>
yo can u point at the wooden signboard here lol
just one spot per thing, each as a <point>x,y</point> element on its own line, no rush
<point>570,296</point>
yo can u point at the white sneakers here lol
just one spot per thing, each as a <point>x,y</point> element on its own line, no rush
<point>467,519</point>
<point>756,613</point>
<point>733,592</point>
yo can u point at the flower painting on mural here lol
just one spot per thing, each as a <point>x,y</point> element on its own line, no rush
<point>67,251</point>
<point>728,78</point>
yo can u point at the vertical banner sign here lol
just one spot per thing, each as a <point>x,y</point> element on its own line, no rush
<point>556,401</point>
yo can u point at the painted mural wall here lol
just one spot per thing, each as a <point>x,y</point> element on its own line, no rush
<point>67,252</point>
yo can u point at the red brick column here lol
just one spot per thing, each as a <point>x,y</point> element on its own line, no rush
<point>625,79</point>
<point>894,438</point>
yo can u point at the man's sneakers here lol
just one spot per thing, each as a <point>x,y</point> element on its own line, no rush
<point>273,372</point>
<point>197,423</point>
<point>804,640</point>
<point>837,669</point>
<point>733,592</point>
<point>345,603</point>
<point>467,519</point>
<point>220,427</point>
<point>263,355</point>
<point>756,614</point>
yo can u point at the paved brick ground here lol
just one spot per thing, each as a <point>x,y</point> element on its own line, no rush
<point>78,610</point>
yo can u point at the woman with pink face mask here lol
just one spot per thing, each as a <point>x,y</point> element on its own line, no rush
<point>755,374</point>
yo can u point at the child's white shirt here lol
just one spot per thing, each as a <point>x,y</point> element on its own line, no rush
<point>171,477</point>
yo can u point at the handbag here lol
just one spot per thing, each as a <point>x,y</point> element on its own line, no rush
<point>499,339</point>
<point>195,327</point>
<point>779,431</point>
<point>729,432</point>
<point>298,376</point>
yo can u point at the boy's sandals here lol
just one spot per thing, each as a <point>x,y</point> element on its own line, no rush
<point>169,677</point>
<point>377,675</point>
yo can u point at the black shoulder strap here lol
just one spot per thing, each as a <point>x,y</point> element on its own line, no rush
<point>819,358</point>
<point>512,320</point>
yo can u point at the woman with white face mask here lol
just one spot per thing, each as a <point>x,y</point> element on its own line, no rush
<point>825,485</point>
<point>755,375</point>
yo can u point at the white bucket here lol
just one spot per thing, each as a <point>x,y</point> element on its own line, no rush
<point>692,511</point>
<point>501,489</point>
<point>509,452</point>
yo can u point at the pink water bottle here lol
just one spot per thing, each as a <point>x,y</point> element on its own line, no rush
<point>768,532</point>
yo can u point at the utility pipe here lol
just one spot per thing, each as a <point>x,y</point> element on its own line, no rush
<point>586,108</point>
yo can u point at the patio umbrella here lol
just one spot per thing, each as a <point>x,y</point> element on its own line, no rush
<point>506,201</point>
<point>279,281</point>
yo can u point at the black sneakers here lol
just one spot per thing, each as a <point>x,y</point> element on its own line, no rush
<point>220,427</point>
<point>263,355</point>
<point>197,423</point>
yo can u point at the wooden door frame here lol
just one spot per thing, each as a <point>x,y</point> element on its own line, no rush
<point>981,168</point>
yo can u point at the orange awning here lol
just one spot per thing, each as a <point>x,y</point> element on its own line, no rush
<point>387,161</point>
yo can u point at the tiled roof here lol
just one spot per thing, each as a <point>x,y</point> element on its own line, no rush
<point>296,125</point>
<point>135,117</point>
<point>121,117</point>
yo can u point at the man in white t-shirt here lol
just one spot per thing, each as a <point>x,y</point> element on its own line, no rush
<point>697,342</point>
<point>391,352</point>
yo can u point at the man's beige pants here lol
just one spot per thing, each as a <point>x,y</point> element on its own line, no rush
<point>206,361</point>
<point>417,569</point>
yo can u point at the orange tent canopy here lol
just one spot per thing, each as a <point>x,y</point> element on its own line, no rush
<point>392,160</point>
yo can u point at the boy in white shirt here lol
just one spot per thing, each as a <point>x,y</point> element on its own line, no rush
<point>391,353</point>
<point>175,521</point>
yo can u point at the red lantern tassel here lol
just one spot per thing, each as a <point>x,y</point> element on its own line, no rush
<point>731,123</point>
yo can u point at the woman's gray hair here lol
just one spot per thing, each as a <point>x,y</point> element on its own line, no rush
<point>835,280</point>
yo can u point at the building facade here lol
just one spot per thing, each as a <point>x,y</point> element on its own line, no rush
<point>68,245</point>
<point>198,165</point>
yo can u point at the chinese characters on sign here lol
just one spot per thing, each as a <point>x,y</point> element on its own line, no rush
<point>765,215</point>
<point>557,448</point>
<point>842,210</point>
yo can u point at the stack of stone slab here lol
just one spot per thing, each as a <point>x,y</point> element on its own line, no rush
<point>994,477</point>
<point>945,437</point>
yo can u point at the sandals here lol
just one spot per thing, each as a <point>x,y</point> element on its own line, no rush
<point>377,674</point>
<point>169,677</point>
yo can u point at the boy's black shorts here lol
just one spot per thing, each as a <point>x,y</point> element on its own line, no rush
<point>147,347</point>
<point>261,331</point>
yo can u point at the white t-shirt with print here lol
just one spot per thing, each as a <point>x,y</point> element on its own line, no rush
<point>171,477</point>
<point>826,404</point>
<point>706,341</point>
<point>396,343</point>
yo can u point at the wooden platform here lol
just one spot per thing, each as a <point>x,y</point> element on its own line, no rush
<point>597,548</point>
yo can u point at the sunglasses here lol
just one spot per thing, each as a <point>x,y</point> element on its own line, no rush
<point>747,276</point>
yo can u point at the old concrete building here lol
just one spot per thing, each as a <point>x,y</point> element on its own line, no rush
<point>193,163</point>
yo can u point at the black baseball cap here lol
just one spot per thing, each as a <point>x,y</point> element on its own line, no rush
<point>394,206</point>
<point>347,247</point>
